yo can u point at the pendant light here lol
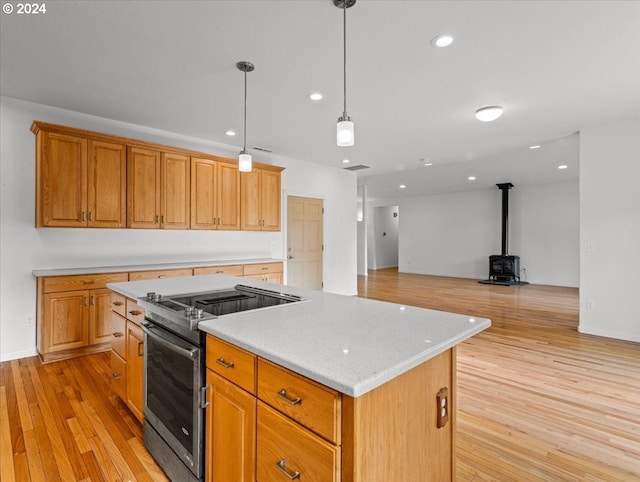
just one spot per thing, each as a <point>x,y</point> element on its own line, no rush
<point>344,131</point>
<point>244,159</point>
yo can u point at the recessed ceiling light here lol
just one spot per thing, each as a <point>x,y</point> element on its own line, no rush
<point>315,96</point>
<point>534,147</point>
<point>443,40</point>
<point>427,163</point>
<point>472,178</point>
<point>402,186</point>
<point>488,114</point>
<point>562,166</point>
<point>345,161</point>
<point>230,133</point>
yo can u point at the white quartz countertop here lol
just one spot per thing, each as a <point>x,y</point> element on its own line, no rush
<point>350,344</point>
<point>148,267</point>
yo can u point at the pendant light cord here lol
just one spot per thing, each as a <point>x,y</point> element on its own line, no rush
<point>344,33</point>
<point>244,148</point>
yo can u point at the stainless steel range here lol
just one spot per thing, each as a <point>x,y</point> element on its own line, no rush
<point>174,367</point>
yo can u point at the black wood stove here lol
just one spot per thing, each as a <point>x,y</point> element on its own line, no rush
<point>504,269</point>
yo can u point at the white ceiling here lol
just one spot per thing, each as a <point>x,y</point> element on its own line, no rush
<point>555,66</point>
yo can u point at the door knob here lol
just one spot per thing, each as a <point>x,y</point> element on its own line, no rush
<point>290,257</point>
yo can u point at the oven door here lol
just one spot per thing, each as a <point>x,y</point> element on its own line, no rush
<point>174,396</point>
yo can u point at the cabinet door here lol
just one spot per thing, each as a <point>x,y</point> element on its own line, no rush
<point>228,196</point>
<point>143,188</point>
<point>107,185</point>
<point>66,320</point>
<point>250,218</point>
<point>99,316</point>
<point>270,203</point>
<point>62,180</point>
<point>230,433</point>
<point>203,179</point>
<point>175,196</point>
<point>135,369</point>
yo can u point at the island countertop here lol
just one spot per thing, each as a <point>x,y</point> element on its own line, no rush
<point>350,344</point>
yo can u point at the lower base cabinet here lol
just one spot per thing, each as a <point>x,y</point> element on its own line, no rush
<point>135,369</point>
<point>231,439</point>
<point>305,431</point>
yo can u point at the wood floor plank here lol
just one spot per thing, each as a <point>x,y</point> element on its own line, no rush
<point>7,470</point>
<point>537,400</point>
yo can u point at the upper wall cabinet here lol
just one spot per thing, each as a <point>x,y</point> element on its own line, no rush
<point>87,179</point>
<point>261,199</point>
<point>215,194</point>
<point>80,182</point>
<point>158,194</point>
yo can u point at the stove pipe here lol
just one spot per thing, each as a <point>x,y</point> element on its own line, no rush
<point>504,187</point>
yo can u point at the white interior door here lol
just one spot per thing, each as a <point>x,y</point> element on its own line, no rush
<point>304,242</point>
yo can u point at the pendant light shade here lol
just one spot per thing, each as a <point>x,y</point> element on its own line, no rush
<point>345,133</point>
<point>245,163</point>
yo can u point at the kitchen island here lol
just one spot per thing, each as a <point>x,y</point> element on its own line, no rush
<point>365,389</point>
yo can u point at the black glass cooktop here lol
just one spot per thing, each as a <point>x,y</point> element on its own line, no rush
<point>224,302</point>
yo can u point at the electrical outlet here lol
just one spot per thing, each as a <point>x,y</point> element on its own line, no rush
<point>442,407</point>
<point>29,320</point>
<point>589,304</point>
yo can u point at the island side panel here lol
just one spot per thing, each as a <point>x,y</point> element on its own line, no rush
<point>390,433</point>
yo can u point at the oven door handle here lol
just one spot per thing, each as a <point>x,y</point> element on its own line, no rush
<point>170,341</point>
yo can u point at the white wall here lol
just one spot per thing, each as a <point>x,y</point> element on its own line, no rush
<point>454,234</point>
<point>24,248</point>
<point>610,231</point>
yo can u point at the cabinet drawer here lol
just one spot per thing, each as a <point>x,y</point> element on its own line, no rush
<point>118,303</point>
<point>284,447</point>
<point>233,363</point>
<point>262,268</point>
<point>54,284</point>
<point>134,312</point>
<point>118,368</point>
<point>160,273</point>
<point>118,328</point>
<point>313,405</point>
<point>235,270</point>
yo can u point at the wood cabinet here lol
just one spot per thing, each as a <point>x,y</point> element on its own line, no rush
<point>160,273</point>
<point>260,207</point>
<point>158,189</point>
<point>73,316</point>
<point>268,272</point>
<point>127,352</point>
<point>304,430</point>
<point>135,369</point>
<point>230,432</point>
<point>80,182</point>
<point>89,179</point>
<point>215,194</point>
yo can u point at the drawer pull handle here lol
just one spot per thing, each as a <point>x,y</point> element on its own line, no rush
<point>282,466</point>
<point>118,303</point>
<point>135,312</point>
<point>116,376</point>
<point>219,272</point>
<point>88,282</point>
<point>117,334</point>
<point>221,361</point>
<point>292,401</point>
<point>162,276</point>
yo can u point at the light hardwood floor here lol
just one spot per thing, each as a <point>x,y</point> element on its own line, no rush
<point>537,400</point>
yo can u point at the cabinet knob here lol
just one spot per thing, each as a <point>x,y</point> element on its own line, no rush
<point>116,376</point>
<point>117,334</point>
